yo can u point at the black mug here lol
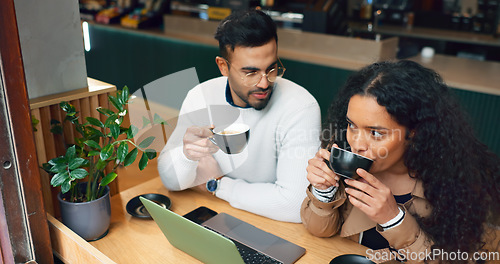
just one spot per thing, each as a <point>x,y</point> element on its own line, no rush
<point>345,163</point>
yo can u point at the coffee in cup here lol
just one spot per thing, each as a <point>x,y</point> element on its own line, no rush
<point>229,132</point>
<point>231,139</point>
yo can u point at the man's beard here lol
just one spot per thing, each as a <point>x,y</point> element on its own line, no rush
<point>260,104</point>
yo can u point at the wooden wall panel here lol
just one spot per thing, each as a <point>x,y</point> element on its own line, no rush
<point>103,102</point>
<point>42,158</point>
<point>76,104</point>
<point>94,103</point>
<point>68,132</point>
<point>48,138</point>
<point>85,108</point>
<point>57,114</point>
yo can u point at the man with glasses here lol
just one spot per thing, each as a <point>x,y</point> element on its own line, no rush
<point>268,177</point>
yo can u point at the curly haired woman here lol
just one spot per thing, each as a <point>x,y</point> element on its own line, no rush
<point>433,188</point>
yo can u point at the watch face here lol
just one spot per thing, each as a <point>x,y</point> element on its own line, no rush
<point>212,185</point>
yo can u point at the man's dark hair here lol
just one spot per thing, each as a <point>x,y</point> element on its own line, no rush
<point>249,28</point>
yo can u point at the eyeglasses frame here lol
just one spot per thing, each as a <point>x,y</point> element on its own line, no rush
<point>280,66</point>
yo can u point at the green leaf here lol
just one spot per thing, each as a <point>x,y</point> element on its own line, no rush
<point>74,120</point>
<point>119,97</point>
<point>66,186</point>
<point>101,164</point>
<point>68,108</point>
<point>119,120</point>
<point>106,152</point>
<point>115,130</point>
<point>125,95</point>
<point>151,153</point>
<point>143,162</point>
<point>55,127</point>
<point>146,142</point>
<point>130,158</point>
<point>158,120</point>
<point>34,123</point>
<point>46,167</point>
<point>70,153</point>
<point>94,121</point>
<point>93,153</point>
<point>92,144</point>
<point>58,168</point>
<point>58,130</point>
<point>92,132</point>
<point>77,163</point>
<point>58,160</point>
<point>116,103</point>
<point>54,122</point>
<point>123,130</point>
<point>122,151</point>
<point>108,179</point>
<point>79,173</point>
<point>105,111</point>
<point>59,178</point>
<point>145,122</point>
<point>132,131</point>
<point>111,120</point>
<point>80,142</point>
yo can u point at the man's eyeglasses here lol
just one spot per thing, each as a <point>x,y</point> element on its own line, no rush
<point>253,78</point>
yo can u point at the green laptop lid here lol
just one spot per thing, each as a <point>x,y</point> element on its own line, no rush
<point>195,240</point>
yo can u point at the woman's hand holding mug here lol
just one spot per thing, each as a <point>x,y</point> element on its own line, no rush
<point>319,173</point>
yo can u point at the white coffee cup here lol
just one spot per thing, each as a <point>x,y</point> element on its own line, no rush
<point>231,139</point>
<point>427,52</point>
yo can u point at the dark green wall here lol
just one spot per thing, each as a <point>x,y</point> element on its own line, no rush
<point>484,115</point>
<point>126,57</point>
<point>322,82</point>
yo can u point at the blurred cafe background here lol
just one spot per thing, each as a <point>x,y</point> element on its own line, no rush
<point>134,42</point>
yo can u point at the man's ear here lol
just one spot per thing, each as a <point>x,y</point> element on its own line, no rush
<point>222,64</point>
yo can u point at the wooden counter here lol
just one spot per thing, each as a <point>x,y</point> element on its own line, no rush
<point>328,50</point>
<point>134,240</point>
<point>430,33</point>
<point>95,87</point>
<point>341,52</point>
<point>354,53</point>
<point>465,74</point>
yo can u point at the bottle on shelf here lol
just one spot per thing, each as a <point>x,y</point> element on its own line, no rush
<point>366,10</point>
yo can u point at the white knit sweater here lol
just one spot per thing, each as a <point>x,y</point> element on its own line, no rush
<point>269,177</point>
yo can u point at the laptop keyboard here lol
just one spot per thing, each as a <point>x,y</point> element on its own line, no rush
<point>250,255</point>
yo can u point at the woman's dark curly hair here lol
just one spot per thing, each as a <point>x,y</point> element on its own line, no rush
<point>460,176</point>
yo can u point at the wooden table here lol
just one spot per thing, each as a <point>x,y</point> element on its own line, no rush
<point>134,240</point>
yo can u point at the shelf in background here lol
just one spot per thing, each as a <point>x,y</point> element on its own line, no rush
<point>429,33</point>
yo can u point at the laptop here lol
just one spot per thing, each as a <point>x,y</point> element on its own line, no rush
<point>222,238</point>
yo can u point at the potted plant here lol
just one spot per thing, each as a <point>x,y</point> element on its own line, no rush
<point>81,172</point>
